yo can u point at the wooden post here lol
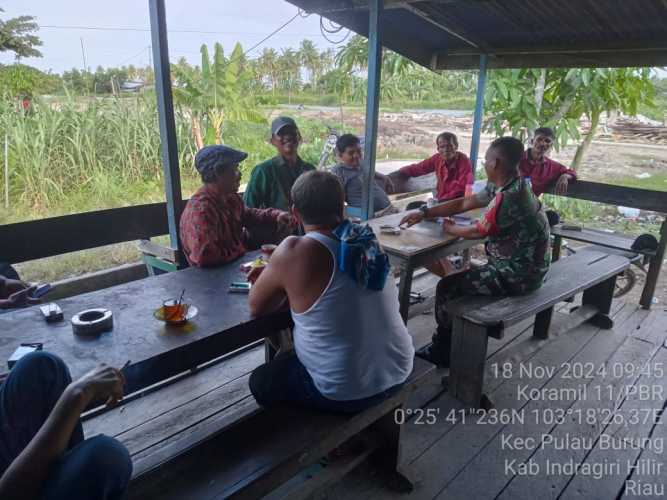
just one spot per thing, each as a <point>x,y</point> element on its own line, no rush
<point>165,108</point>
<point>372,106</point>
<point>654,269</point>
<point>6,170</point>
<point>479,113</point>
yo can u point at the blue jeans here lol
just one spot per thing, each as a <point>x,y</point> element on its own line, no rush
<point>96,468</point>
<point>286,380</point>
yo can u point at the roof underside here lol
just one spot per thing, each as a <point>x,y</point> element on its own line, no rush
<point>451,34</point>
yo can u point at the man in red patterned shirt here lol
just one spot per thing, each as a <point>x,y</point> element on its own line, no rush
<point>216,227</point>
<point>452,168</point>
<point>544,172</point>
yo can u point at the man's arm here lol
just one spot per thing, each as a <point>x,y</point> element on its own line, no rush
<point>446,209</point>
<point>255,189</point>
<point>466,232</point>
<point>422,168</point>
<point>208,239</point>
<point>25,476</point>
<point>268,293</point>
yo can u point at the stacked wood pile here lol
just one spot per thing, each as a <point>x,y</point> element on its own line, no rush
<point>625,129</point>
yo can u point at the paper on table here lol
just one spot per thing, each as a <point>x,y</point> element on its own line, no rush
<point>462,220</point>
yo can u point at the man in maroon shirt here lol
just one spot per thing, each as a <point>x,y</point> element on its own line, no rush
<point>544,172</point>
<point>452,168</point>
<point>216,227</point>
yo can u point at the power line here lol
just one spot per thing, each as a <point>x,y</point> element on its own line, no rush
<point>147,30</point>
<point>298,14</point>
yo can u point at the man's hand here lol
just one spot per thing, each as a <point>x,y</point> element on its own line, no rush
<point>449,226</point>
<point>412,218</point>
<point>285,219</point>
<point>561,184</point>
<point>254,273</point>
<point>13,286</point>
<point>103,383</point>
<point>20,298</point>
<point>389,187</point>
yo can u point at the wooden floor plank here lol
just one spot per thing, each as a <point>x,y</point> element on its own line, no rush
<point>635,350</point>
<point>622,441</point>
<point>458,443</point>
<point>488,468</point>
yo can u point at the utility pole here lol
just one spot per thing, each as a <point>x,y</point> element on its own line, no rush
<point>83,55</point>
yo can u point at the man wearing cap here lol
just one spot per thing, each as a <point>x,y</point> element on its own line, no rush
<point>271,181</point>
<point>216,227</point>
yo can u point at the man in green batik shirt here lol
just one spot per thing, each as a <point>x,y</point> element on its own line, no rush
<point>271,181</point>
<point>517,246</point>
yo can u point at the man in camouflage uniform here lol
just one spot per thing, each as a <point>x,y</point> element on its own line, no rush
<point>517,246</point>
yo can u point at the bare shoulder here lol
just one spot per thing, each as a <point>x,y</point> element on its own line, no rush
<point>296,247</point>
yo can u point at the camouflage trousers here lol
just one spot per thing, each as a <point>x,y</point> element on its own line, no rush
<point>482,280</point>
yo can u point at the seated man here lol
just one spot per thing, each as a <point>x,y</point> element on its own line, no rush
<point>216,227</point>
<point>15,293</point>
<point>544,172</point>
<point>352,349</point>
<point>452,168</point>
<point>271,181</point>
<point>42,450</point>
<point>517,235</point>
<point>348,170</point>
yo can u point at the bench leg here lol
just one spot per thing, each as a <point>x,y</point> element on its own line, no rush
<point>555,249</point>
<point>389,456</point>
<point>543,323</point>
<point>466,373</point>
<point>601,296</point>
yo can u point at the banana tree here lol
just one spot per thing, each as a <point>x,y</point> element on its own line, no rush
<point>215,94</point>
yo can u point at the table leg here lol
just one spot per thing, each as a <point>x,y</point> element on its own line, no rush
<point>404,287</point>
<point>555,251</point>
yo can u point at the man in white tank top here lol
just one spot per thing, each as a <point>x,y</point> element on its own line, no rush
<point>352,349</point>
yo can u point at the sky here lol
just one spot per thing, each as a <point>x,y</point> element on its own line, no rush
<point>245,21</point>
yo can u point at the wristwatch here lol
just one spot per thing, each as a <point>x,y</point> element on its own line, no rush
<point>424,210</point>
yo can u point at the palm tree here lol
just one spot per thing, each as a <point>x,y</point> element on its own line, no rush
<point>310,59</point>
<point>268,61</point>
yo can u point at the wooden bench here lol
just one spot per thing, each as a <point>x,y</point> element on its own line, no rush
<point>204,436</point>
<point>643,199</point>
<point>477,318</point>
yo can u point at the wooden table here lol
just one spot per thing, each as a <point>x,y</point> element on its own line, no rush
<point>416,246</point>
<point>157,351</point>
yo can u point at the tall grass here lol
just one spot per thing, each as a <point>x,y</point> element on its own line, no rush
<point>72,155</point>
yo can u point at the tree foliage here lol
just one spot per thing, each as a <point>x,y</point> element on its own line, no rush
<point>215,94</point>
<point>520,100</point>
<point>16,35</point>
<point>19,80</point>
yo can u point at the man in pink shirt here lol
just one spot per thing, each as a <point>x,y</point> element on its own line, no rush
<point>452,168</point>
<point>544,172</point>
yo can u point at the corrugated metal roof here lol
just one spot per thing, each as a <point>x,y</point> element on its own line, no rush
<point>515,33</point>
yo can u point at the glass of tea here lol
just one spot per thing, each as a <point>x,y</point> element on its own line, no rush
<point>174,311</point>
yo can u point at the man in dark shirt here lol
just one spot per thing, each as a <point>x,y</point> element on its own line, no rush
<point>271,181</point>
<point>517,234</point>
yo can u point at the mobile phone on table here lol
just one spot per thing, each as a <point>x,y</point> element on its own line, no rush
<point>239,287</point>
<point>41,290</point>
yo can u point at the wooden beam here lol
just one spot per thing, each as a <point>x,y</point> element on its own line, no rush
<point>37,239</point>
<point>456,33</point>
<point>327,6</point>
<point>644,199</point>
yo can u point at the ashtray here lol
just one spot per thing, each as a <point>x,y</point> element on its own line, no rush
<point>159,314</point>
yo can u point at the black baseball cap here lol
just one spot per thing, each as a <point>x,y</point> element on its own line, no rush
<point>281,122</point>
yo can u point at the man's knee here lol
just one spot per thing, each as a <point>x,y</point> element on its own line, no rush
<point>42,366</point>
<point>108,460</point>
<point>259,382</point>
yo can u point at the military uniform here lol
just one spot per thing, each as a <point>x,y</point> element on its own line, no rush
<point>517,247</point>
